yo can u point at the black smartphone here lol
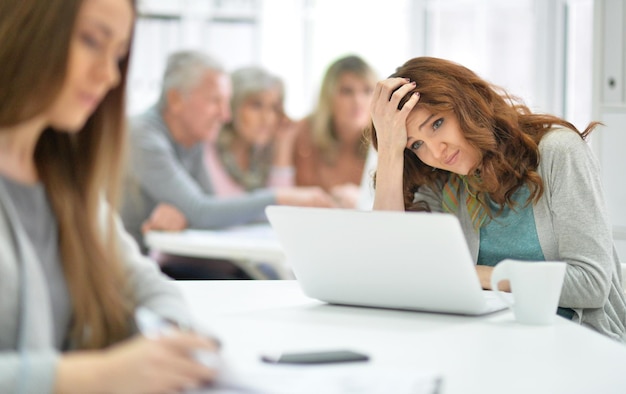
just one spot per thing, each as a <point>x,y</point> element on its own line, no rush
<point>321,357</point>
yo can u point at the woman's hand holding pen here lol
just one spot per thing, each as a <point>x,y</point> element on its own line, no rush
<point>162,364</point>
<point>390,123</point>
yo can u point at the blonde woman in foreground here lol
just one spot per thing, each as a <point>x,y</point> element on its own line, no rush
<point>70,277</point>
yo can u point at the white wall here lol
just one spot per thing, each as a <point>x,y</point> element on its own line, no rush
<point>227,29</point>
<point>511,43</point>
<point>609,106</point>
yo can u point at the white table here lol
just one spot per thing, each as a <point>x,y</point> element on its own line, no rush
<point>491,354</point>
<point>246,246</point>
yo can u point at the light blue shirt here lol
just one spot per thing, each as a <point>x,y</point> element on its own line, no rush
<point>513,234</point>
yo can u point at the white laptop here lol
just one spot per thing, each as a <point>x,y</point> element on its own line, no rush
<point>398,260</point>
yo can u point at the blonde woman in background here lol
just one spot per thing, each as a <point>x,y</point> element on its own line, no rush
<point>330,151</point>
<point>70,276</point>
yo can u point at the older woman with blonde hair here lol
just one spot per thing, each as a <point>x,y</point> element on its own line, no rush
<point>254,149</point>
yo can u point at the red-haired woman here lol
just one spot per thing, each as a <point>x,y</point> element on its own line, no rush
<point>523,185</point>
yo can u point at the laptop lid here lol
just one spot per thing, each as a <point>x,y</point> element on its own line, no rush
<point>400,260</point>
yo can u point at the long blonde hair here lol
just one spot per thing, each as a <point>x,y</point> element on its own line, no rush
<point>322,127</point>
<point>75,168</point>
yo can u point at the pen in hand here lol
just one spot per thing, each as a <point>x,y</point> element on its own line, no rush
<point>153,326</point>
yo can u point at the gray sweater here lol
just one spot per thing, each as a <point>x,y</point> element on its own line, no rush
<point>28,355</point>
<point>573,226</point>
<point>163,171</point>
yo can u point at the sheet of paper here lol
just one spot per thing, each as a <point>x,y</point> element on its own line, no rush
<point>361,379</point>
<point>258,231</point>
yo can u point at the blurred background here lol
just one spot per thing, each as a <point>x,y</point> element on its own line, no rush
<point>540,50</point>
<point>565,57</point>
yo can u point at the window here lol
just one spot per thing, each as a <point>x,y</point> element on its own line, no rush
<point>539,50</point>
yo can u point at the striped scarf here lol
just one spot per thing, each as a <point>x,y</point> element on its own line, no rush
<point>451,195</point>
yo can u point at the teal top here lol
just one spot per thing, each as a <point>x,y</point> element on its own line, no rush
<point>513,234</point>
<point>573,225</point>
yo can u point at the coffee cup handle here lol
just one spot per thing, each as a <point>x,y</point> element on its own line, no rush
<point>499,273</point>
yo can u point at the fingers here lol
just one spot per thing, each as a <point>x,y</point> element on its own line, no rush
<point>304,196</point>
<point>411,103</point>
<point>188,361</point>
<point>181,375</point>
<point>389,122</point>
<point>317,197</point>
<point>385,87</point>
<point>165,217</point>
<point>146,226</point>
<point>168,363</point>
<point>400,93</point>
<point>391,90</point>
<point>188,372</point>
<point>183,342</point>
<point>346,195</point>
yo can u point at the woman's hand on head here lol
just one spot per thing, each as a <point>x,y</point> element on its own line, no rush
<point>390,123</point>
<point>165,217</point>
<point>309,196</point>
<point>164,364</point>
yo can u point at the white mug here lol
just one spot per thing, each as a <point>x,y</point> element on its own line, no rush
<point>536,288</point>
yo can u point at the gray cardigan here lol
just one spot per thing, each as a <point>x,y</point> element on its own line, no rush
<point>163,171</point>
<point>573,226</point>
<point>28,357</point>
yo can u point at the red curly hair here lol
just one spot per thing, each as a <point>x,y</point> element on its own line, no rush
<point>503,130</point>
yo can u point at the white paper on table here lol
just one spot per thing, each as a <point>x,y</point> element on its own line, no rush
<point>250,231</point>
<point>361,379</point>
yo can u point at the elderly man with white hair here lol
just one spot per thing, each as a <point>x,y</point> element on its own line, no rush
<point>167,183</point>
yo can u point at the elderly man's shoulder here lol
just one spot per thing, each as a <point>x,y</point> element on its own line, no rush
<point>147,130</point>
